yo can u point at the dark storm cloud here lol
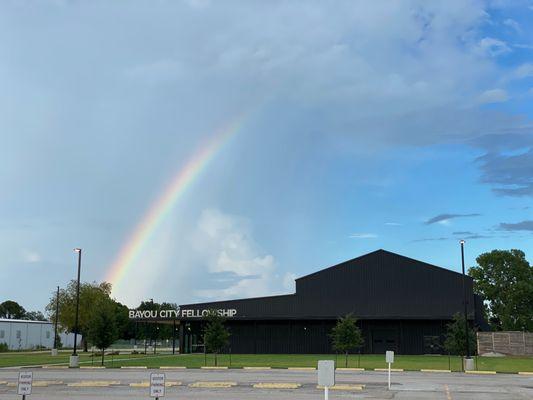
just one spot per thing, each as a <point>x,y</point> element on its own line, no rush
<point>446,217</point>
<point>518,226</point>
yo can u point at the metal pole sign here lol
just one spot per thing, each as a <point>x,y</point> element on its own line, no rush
<point>389,358</point>
<point>326,375</point>
<point>157,385</point>
<point>24,384</point>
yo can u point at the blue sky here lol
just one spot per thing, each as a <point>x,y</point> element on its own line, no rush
<point>405,126</point>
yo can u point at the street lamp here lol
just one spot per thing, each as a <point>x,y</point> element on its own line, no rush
<point>467,338</point>
<point>74,357</point>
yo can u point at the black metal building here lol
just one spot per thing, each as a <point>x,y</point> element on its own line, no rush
<point>401,304</point>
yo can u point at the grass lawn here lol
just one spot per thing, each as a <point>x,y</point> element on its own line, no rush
<point>368,361</point>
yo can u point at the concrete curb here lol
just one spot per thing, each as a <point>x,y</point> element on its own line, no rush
<point>436,370</point>
<point>481,372</point>
<point>350,369</point>
<point>301,369</point>
<point>211,384</point>
<point>386,369</point>
<point>344,387</point>
<point>276,385</point>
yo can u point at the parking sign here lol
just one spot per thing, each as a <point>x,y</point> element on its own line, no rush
<point>25,381</point>
<point>157,385</point>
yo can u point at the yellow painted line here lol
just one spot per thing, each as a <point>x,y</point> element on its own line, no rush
<point>213,384</point>
<point>257,368</point>
<point>276,385</point>
<point>172,383</point>
<point>447,391</point>
<point>93,383</point>
<point>343,387</point>
<point>481,372</point>
<point>525,373</point>
<point>134,367</point>
<point>386,369</point>
<point>214,367</point>
<point>46,383</point>
<point>3,382</point>
<point>435,370</point>
<point>172,367</point>
<point>144,384</point>
<point>350,369</point>
<point>12,384</point>
<point>302,368</point>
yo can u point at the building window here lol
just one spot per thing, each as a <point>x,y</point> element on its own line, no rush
<point>48,334</point>
<point>19,334</point>
<point>2,334</point>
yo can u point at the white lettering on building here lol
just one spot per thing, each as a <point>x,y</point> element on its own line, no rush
<point>183,313</point>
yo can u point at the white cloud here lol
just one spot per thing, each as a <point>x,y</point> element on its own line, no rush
<point>511,23</point>
<point>224,243</point>
<point>289,282</point>
<point>363,236</point>
<point>31,257</point>
<point>523,71</point>
<point>493,96</point>
<point>493,47</point>
<point>523,46</point>
<point>393,224</point>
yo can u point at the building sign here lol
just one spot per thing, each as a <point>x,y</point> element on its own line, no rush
<point>180,313</point>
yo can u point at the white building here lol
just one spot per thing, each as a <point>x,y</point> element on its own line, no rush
<point>26,335</point>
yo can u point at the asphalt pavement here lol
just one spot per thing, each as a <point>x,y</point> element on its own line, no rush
<point>61,384</point>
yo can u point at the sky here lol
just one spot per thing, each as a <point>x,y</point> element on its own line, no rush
<point>339,127</point>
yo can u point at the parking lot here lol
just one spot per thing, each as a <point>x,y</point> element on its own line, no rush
<point>265,384</point>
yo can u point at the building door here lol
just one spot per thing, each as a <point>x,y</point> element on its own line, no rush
<point>383,340</point>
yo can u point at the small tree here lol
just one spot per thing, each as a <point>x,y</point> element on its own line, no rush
<point>455,342</point>
<point>216,336</point>
<point>102,327</point>
<point>91,294</point>
<point>346,336</point>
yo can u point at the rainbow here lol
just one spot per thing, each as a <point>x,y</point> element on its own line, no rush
<point>160,209</point>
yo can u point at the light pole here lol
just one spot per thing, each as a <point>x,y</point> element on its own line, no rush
<point>467,336</point>
<point>54,350</point>
<point>74,357</point>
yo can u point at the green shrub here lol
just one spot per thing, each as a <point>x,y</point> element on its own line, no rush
<point>3,347</point>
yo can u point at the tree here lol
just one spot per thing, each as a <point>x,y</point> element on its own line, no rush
<point>90,295</point>
<point>216,336</point>
<point>102,326</point>
<point>12,310</point>
<point>35,316</point>
<point>504,279</point>
<point>346,336</point>
<point>146,330</point>
<point>455,342</point>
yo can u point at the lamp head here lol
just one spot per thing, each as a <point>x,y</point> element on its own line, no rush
<point>77,250</point>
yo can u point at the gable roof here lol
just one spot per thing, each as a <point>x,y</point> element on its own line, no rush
<point>377,253</point>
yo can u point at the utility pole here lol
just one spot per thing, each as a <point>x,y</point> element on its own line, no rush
<point>74,358</point>
<point>54,350</point>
